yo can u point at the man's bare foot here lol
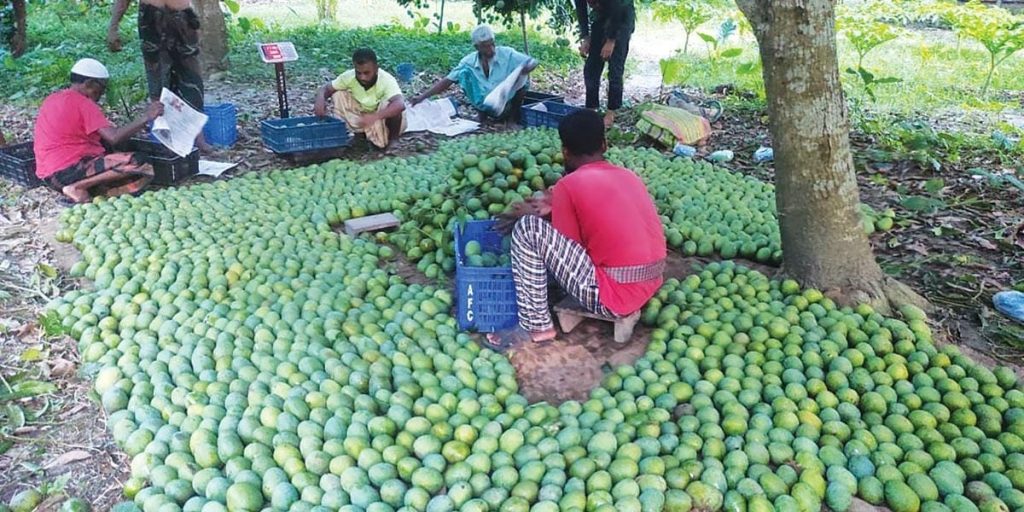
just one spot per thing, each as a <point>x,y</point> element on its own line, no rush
<point>507,338</point>
<point>609,119</point>
<point>75,194</point>
<point>543,336</point>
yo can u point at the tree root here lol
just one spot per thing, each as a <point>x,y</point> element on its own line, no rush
<point>885,296</point>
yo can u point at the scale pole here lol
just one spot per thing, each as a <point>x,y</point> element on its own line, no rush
<point>282,91</point>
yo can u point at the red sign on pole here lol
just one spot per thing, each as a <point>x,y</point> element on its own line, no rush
<point>276,53</point>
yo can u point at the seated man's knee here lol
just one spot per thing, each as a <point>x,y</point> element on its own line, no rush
<point>526,224</point>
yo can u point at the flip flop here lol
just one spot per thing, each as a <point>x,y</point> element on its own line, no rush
<point>506,339</point>
<point>1011,304</point>
<point>67,201</point>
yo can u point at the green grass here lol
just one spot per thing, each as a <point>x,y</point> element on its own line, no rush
<point>57,40</point>
<point>934,74</point>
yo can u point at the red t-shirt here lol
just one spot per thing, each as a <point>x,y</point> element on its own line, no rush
<point>608,211</point>
<point>67,130</point>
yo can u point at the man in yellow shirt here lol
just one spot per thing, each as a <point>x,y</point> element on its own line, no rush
<point>367,98</point>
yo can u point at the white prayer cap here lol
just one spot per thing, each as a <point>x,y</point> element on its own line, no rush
<point>482,33</point>
<point>91,68</point>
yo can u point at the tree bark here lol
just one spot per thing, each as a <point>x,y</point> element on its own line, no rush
<point>18,38</point>
<point>522,23</point>
<point>823,243</point>
<point>213,35</point>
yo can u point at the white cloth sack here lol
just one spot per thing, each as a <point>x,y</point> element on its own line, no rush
<point>497,100</point>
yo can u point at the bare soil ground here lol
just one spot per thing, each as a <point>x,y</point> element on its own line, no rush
<point>957,256</point>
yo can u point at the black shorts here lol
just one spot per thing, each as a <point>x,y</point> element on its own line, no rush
<point>64,177</point>
<point>129,164</point>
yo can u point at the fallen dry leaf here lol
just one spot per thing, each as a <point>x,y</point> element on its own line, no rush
<point>918,248</point>
<point>67,458</point>
<point>62,368</point>
<point>985,243</point>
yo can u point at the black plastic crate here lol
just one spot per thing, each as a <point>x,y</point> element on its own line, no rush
<point>295,134</point>
<point>554,113</point>
<point>532,97</point>
<point>168,167</point>
<point>18,164</point>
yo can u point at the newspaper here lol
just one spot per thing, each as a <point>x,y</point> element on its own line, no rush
<point>436,116</point>
<point>179,126</point>
<point>497,99</point>
<point>214,169</point>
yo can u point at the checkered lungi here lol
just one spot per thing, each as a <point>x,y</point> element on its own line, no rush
<point>537,248</point>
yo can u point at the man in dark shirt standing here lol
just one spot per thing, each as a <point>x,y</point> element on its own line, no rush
<point>608,35</point>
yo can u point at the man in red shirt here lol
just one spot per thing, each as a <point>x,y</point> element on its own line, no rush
<point>69,135</point>
<point>605,243</point>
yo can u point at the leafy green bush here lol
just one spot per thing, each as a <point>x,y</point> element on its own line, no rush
<point>329,47</point>
<point>59,40</point>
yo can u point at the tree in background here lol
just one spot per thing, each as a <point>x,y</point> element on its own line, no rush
<point>509,13</point>
<point>327,10</point>
<point>13,26</point>
<point>691,14</point>
<point>213,34</point>
<point>823,242</point>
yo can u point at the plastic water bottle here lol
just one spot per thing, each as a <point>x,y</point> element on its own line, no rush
<point>764,154</point>
<point>720,156</point>
<point>684,150</point>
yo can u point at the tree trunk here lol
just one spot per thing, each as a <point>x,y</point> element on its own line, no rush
<point>522,23</point>
<point>18,38</point>
<point>213,35</point>
<point>440,19</point>
<point>823,243</point>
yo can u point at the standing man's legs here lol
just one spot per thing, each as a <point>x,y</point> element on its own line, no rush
<point>594,67</point>
<point>616,70</point>
<point>154,59</point>
<point>186,72</point>
<point>183,36</point>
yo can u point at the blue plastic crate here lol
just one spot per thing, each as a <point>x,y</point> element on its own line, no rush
<point>296,134</point>
<point>554,114</point>
<point>221,129</point>
<point>405,72</point>
<point>485,296</point>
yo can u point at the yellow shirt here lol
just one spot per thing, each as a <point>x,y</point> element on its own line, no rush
<point>369,100</point>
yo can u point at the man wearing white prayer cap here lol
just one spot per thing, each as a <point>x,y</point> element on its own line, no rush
<point>69,136</point>
<point>482,71</point>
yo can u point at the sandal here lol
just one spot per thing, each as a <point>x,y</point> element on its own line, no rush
<point>505,339</point>
<point>66,201</point>
<point>1011,304</point>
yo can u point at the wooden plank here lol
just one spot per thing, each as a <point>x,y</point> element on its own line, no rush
<point>570,313</point>
<point>377,222</point>
<point>570,305</point>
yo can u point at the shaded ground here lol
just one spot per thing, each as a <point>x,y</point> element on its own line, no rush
<point>957,253</point>
<point>574,364</point>
<point>62,445</point>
